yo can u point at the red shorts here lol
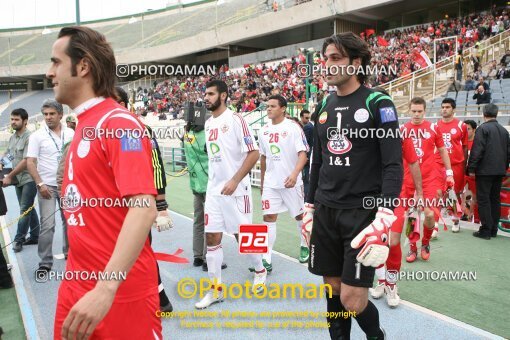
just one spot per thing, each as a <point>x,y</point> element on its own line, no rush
<point>429,194</point>
<point>459,175</point>
<point>125,320</point>
<point>430,187</point>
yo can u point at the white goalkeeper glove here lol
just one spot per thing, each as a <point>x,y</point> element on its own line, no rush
<point>375,238</point>
<point>163,221</point>
<point>306,227</point>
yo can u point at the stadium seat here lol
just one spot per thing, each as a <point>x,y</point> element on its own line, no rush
<point>451,95</point>
<point>461,96</point>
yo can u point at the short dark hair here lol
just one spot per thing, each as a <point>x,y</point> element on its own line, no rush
<point>86,43</point>
<point>303,112</point>
<point>20,113</point>
<point>490,110</point>
<point>122,96</point>
<point>352,46</point>
<point>418,101</point>
<point>449,101</point>
<point>471,123</point>
<point>220,85</point>
<point>282,102</point>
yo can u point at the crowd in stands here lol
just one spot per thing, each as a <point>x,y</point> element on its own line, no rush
<point>399,48</point>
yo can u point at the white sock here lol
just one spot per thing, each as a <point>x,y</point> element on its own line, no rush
<point>214,259</point>
<point>271,229</point>
<point>380,273</point>
<point>301,237</point>
<point>256,261</point>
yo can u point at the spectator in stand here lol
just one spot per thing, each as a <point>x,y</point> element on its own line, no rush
<point>476,56</point>
<point>455,86</point>
<point>458,65</point>
<point>482,96</point>
<point>397,49</point>
<point>482,82</point>
<point>503,72</point>
<point>493,70</point>
<point>470,84</point>
<point>505,60</point>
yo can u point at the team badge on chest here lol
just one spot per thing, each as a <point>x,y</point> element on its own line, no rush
<point>339,146</point>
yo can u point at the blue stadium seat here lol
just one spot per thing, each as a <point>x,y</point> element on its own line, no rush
<point>461,96</point>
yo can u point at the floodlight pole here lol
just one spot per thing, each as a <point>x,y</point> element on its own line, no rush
<point>77,12</point>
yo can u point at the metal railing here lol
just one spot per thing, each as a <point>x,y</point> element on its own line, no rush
<point>426,79</point>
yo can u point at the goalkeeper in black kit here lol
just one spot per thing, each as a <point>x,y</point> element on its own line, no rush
<point>356,162</point>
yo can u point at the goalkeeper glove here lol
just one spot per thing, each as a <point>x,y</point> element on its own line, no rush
<point>163,221</point>
<point>375,239</point>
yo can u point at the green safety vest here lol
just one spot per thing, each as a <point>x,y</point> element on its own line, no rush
<point>197,160</point>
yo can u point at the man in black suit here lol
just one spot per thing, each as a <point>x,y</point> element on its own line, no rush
<point>488,160</point>
<point>482,96</point>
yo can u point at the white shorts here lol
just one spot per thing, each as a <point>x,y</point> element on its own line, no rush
<point>224,214</point>
<point>275,201</point>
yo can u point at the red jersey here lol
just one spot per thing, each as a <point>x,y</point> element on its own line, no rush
<point>408,153</point>
<point>455,137</point>
<point>408,156</point>
<point>425,140</point>
<point>469,144</point>
<point>107,167</point>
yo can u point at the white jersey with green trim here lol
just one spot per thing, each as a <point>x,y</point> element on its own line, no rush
<point>228,140</point>
<point>280,144</point>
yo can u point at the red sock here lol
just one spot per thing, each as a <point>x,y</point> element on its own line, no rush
<point>394,262</point>
<point>394,258</point>
<point>414,247</point>
<point>427,234</point>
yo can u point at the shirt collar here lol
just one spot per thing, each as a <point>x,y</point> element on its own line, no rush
<point>87,105</point>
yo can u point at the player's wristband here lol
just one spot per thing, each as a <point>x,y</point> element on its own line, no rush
<point>449,172</point>
<point>161,205</point>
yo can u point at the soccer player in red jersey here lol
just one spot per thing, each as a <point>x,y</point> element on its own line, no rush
<point>426,139</point>
<point>387,277</point>
<point>108,242</point>
<point>471,184</point>
<point>455,137</point>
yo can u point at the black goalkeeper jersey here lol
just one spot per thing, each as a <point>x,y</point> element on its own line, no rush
<point>357,150</point>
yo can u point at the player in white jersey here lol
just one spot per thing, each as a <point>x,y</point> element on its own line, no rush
<point>283,149</point>
<point>232,153</point>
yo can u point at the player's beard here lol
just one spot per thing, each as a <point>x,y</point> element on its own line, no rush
<point>338,80</point>
<point>214,106</point>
